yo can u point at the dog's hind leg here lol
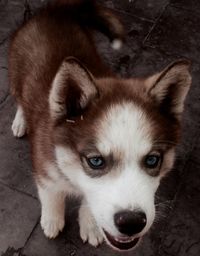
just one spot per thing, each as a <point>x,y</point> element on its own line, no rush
<point>53,211</point>
<point>89,230</point>
<point>19,123</point>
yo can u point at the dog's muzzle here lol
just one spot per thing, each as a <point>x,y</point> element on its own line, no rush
<point>121,243</point>
<point>129,224</point>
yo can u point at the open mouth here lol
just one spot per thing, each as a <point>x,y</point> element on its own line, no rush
<point>125,243</point>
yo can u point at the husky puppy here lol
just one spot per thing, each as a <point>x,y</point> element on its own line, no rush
<point>92,134</point>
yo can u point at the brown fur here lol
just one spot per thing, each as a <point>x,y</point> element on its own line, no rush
<point>36,53</point>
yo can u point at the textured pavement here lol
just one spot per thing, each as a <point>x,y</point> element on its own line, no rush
<point>158,31</point>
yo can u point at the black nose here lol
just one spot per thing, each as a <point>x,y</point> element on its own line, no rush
<point>130,222</point>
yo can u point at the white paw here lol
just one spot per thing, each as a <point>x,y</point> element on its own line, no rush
<point>19,124</point>
<point>19,129</point>
<point>89,232</point>
<point>52,227</point>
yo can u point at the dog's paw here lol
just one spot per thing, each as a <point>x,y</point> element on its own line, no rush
<point>19,129</point>
<point>89,232</point>
<point>19,124</point>
<point>52,227</point>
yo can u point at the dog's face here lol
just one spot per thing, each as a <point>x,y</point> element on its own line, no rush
<point>115,139</point>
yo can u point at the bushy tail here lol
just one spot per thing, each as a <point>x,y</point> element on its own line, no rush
<point>91,14</point>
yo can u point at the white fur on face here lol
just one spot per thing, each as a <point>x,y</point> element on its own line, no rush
<point>124,129</point>
<point>126,132</point>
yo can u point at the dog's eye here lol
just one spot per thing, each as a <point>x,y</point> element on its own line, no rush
<point>152,161</point>
<point>96,162</point>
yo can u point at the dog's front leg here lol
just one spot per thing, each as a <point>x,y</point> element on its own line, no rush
<point>89,230</point>
<point>53,211</point>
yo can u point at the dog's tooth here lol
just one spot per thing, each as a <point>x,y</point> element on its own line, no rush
<point>124,240</point>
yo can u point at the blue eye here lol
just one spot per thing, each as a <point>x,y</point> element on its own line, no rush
<point>152,161</point>
<point>96,162</point>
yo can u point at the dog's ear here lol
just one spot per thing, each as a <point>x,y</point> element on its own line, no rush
<point>72,91</point>
<point>170,87</point>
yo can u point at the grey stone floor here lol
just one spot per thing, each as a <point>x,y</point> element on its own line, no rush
<point>158,31</point>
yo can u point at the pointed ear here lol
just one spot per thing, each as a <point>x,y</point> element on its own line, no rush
<point>72,91</point>
<point>170,87</point>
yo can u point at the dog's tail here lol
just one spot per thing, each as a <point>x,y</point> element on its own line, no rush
<point>93,15</point>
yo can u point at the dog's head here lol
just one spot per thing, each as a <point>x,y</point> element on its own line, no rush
<point>115,139</point>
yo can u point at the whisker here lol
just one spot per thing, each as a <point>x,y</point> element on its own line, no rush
<point>162,210</point>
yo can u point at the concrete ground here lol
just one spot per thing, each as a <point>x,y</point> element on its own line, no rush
<point>158,31</point>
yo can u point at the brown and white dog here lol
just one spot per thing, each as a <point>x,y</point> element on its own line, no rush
<point>106,139</point>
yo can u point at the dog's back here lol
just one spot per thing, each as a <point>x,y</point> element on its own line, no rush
<point>61,29</point>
